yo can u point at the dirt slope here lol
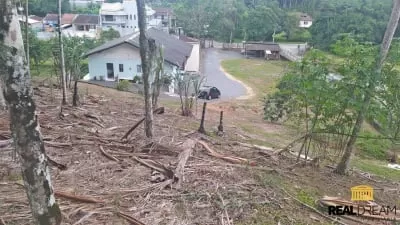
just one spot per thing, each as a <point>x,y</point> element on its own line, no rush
<point>213,188</point>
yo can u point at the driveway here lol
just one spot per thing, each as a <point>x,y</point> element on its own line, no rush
<point>215,77</point>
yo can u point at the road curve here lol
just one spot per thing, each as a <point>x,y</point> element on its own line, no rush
<point>229,88</point>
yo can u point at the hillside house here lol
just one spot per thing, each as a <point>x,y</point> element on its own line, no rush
<point>305,20</point>
<point>267,50</point>
<point>167,17</point>
<point>119,59</point>
<point>34,22</point>
<point>85,22</point>
<point>50,21</point>
<point>122,16</point>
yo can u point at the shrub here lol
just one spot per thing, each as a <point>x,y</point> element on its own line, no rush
<point>137,79</point>
<point>123,85</point>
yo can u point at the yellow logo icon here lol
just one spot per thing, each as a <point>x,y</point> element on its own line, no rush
<point>362,193</point>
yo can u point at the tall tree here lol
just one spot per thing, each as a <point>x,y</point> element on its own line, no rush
<point>384,49</point>
<point>147,52</point>
<point>24,124</point>
<point>62,60</point>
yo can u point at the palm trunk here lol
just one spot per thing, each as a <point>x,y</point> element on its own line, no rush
<point>62,60</point>
<point>147,50</point>
<point>24,124</point>
<point>385,46</point>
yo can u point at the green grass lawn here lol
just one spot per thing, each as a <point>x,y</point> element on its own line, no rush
<point>260,75</point>
<point>45,69</point>
<point>378,168</point>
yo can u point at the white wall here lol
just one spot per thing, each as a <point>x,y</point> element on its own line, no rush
<point>305,24</point>
<point>124,54</point>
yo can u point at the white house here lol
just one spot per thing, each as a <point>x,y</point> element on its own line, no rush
<point>33,22</point>
<point>123,17</point>
<point>305,20</point>
<point>120,58</point>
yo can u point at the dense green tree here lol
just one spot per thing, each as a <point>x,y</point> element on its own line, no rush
<point>42,7</point>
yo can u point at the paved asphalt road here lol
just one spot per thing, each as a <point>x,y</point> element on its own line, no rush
<point>215,77</point>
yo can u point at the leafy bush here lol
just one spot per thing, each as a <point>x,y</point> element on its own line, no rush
<point>276,107</point>
<point>137,79</point>
<point>123,85</point>
<point>372,147</point>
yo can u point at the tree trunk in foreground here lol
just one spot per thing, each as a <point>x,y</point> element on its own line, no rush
<point>62,60</point>
<point>159,73</point>
<point>75,97</point>
<point>24,124</point>
<point>147,50</point>
<point>385,46</point>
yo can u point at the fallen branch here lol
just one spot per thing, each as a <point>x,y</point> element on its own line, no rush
<point>231,159</point>
<point>130,219</point>
<point>57,144</point>
<point>108,155</point>
<point>257,147</point>
<point>97,123</point>
<point>93,117</point>
<point>188,146</point>
<point>56,164</point>
<point>156,111</point>
<point>289,146</point>
<point>76,198</point>
<point>156,166</point>
<point>5,143</point>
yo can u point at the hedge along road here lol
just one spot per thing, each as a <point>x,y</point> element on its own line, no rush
<point>230,87</point>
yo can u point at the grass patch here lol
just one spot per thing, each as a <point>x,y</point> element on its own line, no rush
<point>261,75</point>
<point>45,69</point>
<point>373,148</point>
<point>306,198</point>
<point>377,168</point>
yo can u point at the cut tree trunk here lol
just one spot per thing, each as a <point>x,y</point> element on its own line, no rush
<point>62,60</point>
<point>385,46</point>
<point>203,115</point>
<point>24,124</point>
<point>147,52</point>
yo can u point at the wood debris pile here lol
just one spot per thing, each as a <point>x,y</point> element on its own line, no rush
<point>102,176</point>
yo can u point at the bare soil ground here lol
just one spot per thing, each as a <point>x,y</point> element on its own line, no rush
<point>213,189</point>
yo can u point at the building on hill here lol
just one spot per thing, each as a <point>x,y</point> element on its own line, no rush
<point>119,59</point>
<point>305,20</point>
<point>85,22</point>
<point>167,17</point>
<point>267,50</point>
<point>122,16</point>
<point>34,22</point>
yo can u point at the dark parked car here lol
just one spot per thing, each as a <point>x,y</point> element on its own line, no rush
<point>208,92</point>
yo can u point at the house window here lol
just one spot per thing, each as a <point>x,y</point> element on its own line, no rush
<point>121,68</point>
<point>123,26</point>
<point>134,17</point>
<point>305,22</point>
<point>139,68</point>
<point>162,17</point>
<point>108,18</point>
<point>130,17</point>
